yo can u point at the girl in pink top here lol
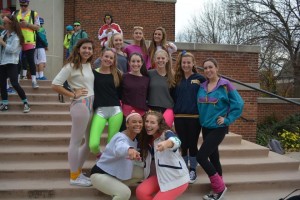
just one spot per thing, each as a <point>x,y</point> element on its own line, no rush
<point>138,46</point>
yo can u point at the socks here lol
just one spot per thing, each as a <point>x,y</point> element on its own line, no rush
<point>33,78</point>
<point>40,74</point>
<point>5,102</point>
<point>74,175</point>
<point>24,73</point>
<point>25,101</point>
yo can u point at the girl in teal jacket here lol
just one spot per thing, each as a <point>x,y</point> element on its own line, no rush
<point>219,105</point>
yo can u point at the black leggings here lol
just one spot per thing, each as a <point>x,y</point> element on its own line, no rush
<point>10,71</point>
<point>212,138</point>
<point>28,56</point>
<point>188,130</point>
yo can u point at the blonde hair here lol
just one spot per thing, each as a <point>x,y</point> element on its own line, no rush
<point>170,74</point>
<point>117,74</point>
<point>111,40</point>
<point>179,73</point>
<point>142,42</point>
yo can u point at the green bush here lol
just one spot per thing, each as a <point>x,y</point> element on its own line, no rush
<point>271,128</point>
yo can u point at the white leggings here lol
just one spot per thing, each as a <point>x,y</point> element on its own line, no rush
<point>114,187</point>
<point>81,114</point>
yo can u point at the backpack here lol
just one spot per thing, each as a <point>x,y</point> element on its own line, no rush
<point>275,146</point>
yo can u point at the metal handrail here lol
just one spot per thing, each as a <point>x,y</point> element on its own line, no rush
<point>257,89</point>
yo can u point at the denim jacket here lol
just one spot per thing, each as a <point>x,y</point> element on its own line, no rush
<point>10,54</point>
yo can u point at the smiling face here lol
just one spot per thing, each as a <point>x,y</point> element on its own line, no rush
<point>134,124</point>
<point>210,70</point>
<point>107,58</point>
<point>151,124</point>
<point>161,58</point>
<point>86,51</point>
<point>135,63</point>
<point>187,64</point>
<point>118,41</point>
<point>138,35</point>
<point>158,36</point>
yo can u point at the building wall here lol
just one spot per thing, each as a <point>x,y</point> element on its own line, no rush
<point>127,13</point>
<point>271,107</point>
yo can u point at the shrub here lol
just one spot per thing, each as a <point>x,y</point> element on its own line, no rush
<point>290,140</point>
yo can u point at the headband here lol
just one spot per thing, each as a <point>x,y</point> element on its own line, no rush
<point>132,114</point>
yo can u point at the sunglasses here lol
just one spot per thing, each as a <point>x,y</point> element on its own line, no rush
<point>76,25</point>
<point>24,5</point>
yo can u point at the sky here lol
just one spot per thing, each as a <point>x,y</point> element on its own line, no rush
<point>184,10</point>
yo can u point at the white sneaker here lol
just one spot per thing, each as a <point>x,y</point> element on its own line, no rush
<point>81,182</point>
<point>35,84</point>
<point>82,176</point>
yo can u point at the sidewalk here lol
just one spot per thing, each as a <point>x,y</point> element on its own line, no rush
<point>295,155</point>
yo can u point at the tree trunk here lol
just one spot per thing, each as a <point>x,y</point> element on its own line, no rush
<point>297,76</point>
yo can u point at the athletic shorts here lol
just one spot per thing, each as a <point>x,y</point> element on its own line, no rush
<point>40,56</point>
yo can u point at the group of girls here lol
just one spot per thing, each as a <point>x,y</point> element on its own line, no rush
<point>109,95</point>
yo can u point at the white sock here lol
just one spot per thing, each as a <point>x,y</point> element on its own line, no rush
<point>33,78</point>
<point>37,75</point>
<point>41,73</point>
<point>24,72</point>
<point>7,84</point>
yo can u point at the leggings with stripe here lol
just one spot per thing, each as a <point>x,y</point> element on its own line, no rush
<point>81,114</point>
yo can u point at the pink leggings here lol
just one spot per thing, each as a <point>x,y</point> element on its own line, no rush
<point>147,189</point>
<point>169,117</point>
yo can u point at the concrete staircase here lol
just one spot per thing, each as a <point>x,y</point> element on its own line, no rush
<point>33,155</point>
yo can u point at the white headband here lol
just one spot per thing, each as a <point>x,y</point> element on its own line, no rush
<point>132,114</point>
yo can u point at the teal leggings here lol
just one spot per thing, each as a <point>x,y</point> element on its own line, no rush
<point>97,127</point>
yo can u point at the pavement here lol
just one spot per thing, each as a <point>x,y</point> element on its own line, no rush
<point>295,155</point>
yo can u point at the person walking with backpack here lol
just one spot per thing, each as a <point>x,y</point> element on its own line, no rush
<point>29,22</point>
<point>77,35</point>
<point>40,58</point>
<point>11,41</point>
<point>67,39</point>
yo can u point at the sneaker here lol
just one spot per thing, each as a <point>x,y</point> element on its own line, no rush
<point>3,107</point>
<point>35,85</point>
<point>216,196</point>
<point>43,78</point>
<point>24,77</point>
<point>81,182</point>
<point>11,91</point>
<point>84,177</point>
<point>193,176</point>
<point>207,196</point>
<point>26,108</point>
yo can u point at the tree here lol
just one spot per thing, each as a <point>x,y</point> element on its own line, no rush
<point>273,24</point>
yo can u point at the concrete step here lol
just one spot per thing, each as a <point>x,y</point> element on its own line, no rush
<point>41,83</point>
<point>39,106</point>
<point>33,97</point>
<point>60,168</point>
<point>59,188</point>
<point>39,90</point>
<point>34,115</point>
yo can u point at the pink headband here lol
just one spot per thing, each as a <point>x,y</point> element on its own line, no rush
<point>132,114</point>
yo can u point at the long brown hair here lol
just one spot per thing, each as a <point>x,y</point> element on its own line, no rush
<point>153,45</point>
<point>75,57</point>
<point>15,26</point>
<point>179,72</point>
<point>145,139</point>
